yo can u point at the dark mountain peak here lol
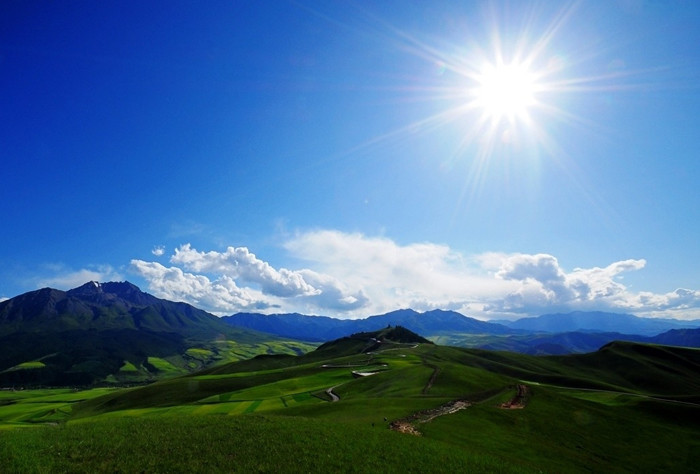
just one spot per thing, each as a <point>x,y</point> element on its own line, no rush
<point>128,291</point>
<point>120,287</point>
<point>399,314</point>
<point>445,315</point>
<point>112,291</point>
<point>42,296</point>
<point>89,288</point>
<point>45,293</point>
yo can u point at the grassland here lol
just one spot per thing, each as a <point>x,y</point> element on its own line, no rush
<point>626,408</point>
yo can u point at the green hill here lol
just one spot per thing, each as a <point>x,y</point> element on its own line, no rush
<point>627,407</point>
<point>382,339</point>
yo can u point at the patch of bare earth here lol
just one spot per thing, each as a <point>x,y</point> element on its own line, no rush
<point>406,425</point>
<point>519,400</point>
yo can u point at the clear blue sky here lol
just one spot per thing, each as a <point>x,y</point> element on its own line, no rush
<point>338,158</point>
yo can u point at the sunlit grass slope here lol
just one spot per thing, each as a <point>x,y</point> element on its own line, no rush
<point>626,408</point>
<point>231,444</point>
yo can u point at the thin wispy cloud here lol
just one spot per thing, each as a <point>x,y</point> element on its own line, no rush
<point>64,278</point>
<point>353,275</point>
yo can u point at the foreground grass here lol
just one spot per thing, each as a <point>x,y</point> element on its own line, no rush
<point>282,422</point>
<point>250,443</point>
<point>556,432</point>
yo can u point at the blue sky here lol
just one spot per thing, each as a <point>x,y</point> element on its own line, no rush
<point>342,159</point>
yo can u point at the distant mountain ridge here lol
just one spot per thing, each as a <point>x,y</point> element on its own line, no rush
<point>323,328</point>
<point>598,321</point>
<point>575,332</point>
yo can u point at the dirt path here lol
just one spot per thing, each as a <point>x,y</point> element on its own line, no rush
<point>519,400</point>
<point>433,376</point>
<point>331,393</point>
<point>406,425</point>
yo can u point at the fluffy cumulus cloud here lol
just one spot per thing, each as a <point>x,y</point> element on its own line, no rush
<point>353,275</point>
<point>236,280</point>
<point>489,285</point>
<point>542,284</point>
<point>420,275</point>
<point>240,264</point>
<point>220,295</point>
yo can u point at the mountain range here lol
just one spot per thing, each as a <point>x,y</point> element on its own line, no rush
<point>547,334</point>
<point>102,332</point>
<point>115,333</point>
<point>323,328</point>
<point>598,321</point>
<point>104,306</point>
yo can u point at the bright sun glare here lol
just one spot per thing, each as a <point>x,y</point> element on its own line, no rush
<point>504,91</point>
<point>501,90</point>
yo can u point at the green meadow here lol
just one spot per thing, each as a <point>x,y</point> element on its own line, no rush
<point>626,408</point>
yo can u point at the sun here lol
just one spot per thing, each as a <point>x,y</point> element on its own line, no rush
<point>504,91</point>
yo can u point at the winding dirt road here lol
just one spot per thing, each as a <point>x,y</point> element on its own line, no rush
<point>331,393</point>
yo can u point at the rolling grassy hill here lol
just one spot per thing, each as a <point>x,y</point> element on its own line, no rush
<point>627,407</point>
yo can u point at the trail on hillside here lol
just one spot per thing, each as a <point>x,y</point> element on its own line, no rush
<point>433,376</point>
<point>406,425</point>
<point>519,400</point>
<point>331,393</point>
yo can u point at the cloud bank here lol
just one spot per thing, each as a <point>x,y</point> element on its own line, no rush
<point>352,275</point>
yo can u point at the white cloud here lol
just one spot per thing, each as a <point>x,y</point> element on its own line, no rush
<point>540,278</point>
<point>221,295</point>
<point>332,294</point>
<point>543,284</point>
<point>236,280</point>
<point>3,298</point>
<point>66,279</point>
<point>489,285</point>
<point>158,250</point>
<point>681,300</point>
<point>240,264</point>
<point>352,275</point>
<point>422,275</point>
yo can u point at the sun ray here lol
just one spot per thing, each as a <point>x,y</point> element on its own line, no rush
<point>500,91</point>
